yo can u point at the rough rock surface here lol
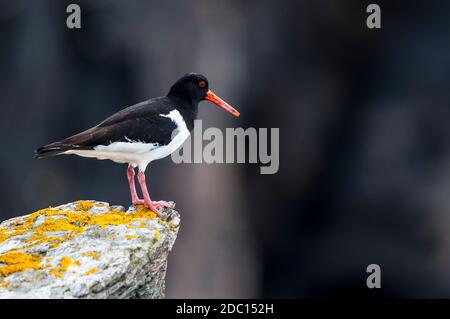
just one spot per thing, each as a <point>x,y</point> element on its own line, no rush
<point>86,249</point>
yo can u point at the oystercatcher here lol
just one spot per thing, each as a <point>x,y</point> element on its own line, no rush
<point>142,133</point>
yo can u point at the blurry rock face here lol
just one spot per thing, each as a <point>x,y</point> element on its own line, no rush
<point>86,249</point>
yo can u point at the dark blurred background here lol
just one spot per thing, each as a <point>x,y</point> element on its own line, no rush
<point>364,135</point>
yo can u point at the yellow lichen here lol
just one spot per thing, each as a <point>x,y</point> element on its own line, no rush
<point>82,205</point>
<point>92,254</point>
<point>131,236</point>
<point>17,261</point>
<point>142,224</point>
<point>54,245</point>
<point>91,271</point>
<point>64,263</point>
<point>157,234</point>
<point>3,283</point>
<point>143,212</point>
<point>72,223</point>
<point>3,234</point>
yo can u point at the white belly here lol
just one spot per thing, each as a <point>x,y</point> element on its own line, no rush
<point>138,153</point>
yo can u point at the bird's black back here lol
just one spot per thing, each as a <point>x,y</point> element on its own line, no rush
<point>141,122</point>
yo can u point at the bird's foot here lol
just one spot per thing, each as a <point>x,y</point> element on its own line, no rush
<point>162,203</point>
<point>159,203</point>
<point>153,205</point>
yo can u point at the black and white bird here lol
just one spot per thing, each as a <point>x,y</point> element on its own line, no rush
<point>142,133</point>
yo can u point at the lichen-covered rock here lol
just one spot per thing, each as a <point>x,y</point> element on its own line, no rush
<point>86,249</point>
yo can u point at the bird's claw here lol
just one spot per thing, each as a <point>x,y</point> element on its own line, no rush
<point>153,205</point>
<point>162,203</point>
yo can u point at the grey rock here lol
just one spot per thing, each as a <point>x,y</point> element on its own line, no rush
<point>86,250</point>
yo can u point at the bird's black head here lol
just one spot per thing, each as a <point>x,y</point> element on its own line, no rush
<point>191,86</point>
<point>194,88</point>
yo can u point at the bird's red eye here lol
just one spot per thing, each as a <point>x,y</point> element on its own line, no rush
<point>202,84</point>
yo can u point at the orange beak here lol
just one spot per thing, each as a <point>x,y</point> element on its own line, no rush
<point>210,96</point>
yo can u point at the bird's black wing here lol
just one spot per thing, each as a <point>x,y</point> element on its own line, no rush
<point>141,122</point>
<point>149,108</point>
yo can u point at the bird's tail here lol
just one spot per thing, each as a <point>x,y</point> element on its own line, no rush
<point>55,149</point>
<point>49,150</point>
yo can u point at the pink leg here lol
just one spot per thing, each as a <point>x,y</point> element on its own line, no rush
<point>134,196</point>
<point>147,201</point>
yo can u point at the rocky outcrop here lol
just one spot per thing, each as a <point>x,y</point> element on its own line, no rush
<point>86,249</point>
